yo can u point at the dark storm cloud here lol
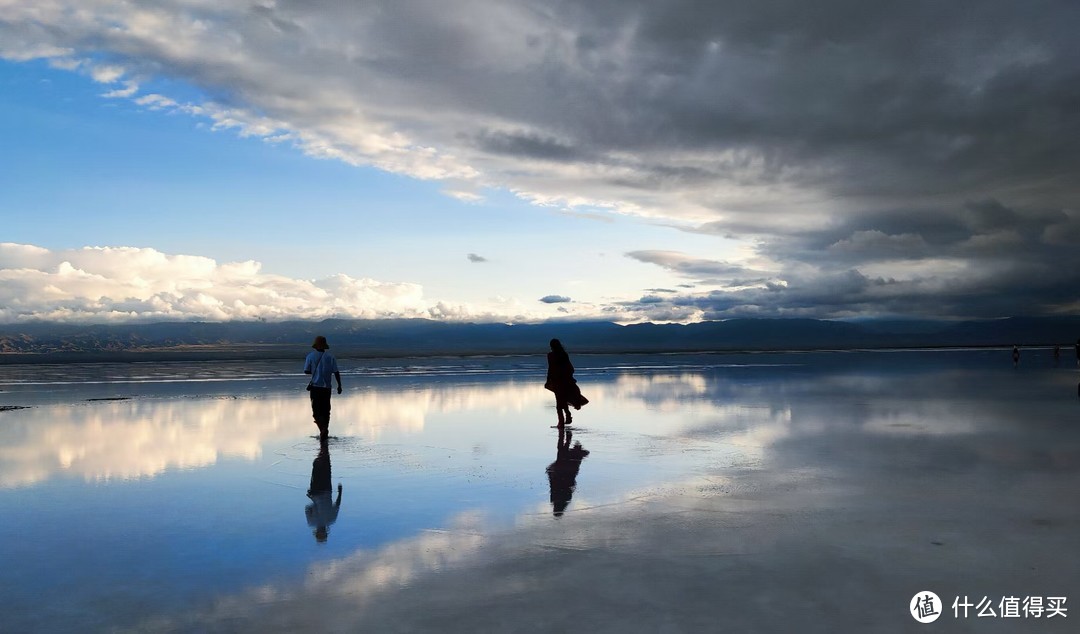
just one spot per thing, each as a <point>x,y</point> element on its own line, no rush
<point>978,260</point>
<point>555,299</point>
<point>692,267</point>
<point>851,293</point>
<point>921,98</point>
<point>526,145</point>
<point>948,231</point>
<point>472,257</point>
<point>926,147</point>
<point>974,259</point>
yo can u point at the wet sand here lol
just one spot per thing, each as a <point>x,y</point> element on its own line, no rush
<point>760,493</point>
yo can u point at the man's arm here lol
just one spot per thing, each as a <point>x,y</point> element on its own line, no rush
<point>337,502</point>
<point>337,375</point>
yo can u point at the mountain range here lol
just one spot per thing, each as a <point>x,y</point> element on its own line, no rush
<point>419,337</point>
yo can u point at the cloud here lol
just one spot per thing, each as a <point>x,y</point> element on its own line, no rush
<point>842,139</point>
<point>938,288</point>
<point>876,243</point>
<point>555,299</point>
<point>683,264</point>
<point>472,257</point>
<point>678,109</point>
<point>703,270</point>
<point>124,284</point>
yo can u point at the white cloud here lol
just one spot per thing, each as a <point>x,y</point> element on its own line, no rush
<point>155,102</point>
<point>129,90</point>
<point>107,74</point>
<point>103,284</point>
<point>128,284</point>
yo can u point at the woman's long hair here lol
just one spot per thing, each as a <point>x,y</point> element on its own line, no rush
<point>560,352</point>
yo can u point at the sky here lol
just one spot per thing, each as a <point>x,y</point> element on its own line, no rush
<point>525,160</point>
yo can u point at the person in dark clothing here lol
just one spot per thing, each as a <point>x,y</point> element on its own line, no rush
<point>560,380</point>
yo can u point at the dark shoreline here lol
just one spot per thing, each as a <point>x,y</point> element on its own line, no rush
<point>284,353</point>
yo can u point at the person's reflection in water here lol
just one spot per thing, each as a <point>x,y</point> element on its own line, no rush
<point>562,474</point>
<point>323,510</point>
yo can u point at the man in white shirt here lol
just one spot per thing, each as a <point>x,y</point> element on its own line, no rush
<point>321,365</point>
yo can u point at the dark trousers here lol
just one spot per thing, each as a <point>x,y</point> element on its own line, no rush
<point>320,405</point>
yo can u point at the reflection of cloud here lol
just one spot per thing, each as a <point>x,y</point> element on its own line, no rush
<point>509,568</point>
<point>834,491</point>
<point>139,438</point>
<point>662,391</point>
<point>359,579</point>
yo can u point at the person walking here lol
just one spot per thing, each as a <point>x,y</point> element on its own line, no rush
<point>560,380</point>
<point>321,365</point>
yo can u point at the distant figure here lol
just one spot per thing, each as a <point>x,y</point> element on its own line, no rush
<point>560,380</point>
<point>320,364</point>
<point>562,474</point>
<point>1057,354</point>
<point>1078,352</point>
<point>323,510</point>
<point>1016,356</point>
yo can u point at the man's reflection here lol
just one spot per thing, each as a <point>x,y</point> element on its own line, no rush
<point>562,474</point>
<point>323,510</point>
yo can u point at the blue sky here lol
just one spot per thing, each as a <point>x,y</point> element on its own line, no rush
<point>82,170</point>
<point>184,159</point>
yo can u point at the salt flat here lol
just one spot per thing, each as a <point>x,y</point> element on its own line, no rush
<point>766,492</point>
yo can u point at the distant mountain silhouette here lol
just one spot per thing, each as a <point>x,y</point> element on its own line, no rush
<point>411,337</point>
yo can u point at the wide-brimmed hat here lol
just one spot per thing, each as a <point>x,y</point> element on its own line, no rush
<point>320,343</point>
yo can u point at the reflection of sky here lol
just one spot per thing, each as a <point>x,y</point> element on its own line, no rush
<point>148,434</point>
<point>169,499</point>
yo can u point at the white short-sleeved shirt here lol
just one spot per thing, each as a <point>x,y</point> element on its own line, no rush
<point>322,366</point>
<point>322,511</point>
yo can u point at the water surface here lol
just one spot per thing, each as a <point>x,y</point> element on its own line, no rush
<point>172,496</point>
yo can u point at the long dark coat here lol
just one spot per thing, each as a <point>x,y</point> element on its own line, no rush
<point>560,380</point>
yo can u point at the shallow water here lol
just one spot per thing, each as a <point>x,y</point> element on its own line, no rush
<point>172,496</point>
